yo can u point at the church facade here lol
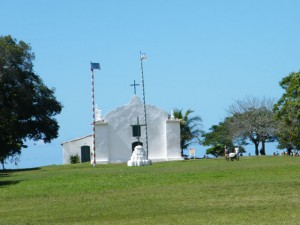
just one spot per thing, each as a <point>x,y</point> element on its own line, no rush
<point>116,136</point>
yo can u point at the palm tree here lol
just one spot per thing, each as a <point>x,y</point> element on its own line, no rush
<point>190,131</point>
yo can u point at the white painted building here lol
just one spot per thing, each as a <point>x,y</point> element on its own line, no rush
<point>114,136</point>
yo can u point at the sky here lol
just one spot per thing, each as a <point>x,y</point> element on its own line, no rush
<point>202,55</point>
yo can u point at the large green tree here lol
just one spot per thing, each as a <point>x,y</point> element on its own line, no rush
<point>217,138</point>
<point>287,112</point>
<point>190,128</point>
<point>27,105</point>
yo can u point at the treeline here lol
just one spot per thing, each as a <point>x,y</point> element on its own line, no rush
<point>259,121</point>
<point>250,120</point>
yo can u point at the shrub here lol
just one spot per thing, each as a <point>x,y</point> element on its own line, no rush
<point>74,159</point>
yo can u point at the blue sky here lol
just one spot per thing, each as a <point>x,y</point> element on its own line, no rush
<point>202,55</point>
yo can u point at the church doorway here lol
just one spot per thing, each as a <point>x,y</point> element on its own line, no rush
<point>134,144</point>
<point>85,153</point>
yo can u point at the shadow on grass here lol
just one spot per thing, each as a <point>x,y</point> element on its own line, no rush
<point>7,173</point>
<point>6,183</point>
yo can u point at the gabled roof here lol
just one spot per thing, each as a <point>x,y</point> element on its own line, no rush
<point>77,139</point>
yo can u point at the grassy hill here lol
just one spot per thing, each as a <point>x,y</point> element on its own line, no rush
<point>254,190</point>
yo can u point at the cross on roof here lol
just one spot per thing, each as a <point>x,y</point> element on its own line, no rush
<point>134,85</point>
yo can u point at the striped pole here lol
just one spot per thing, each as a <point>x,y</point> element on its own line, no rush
<point>93,108</point>
<point>94,66</point>
<point>144,57</point>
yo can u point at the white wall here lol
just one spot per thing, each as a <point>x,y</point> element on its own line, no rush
<point>157,133</point>
<point>173,140</point>
<point>120,131</point>
<point>101,142</point>
<point>74,147</point>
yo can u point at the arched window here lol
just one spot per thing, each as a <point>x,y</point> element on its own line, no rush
<point>134,144</point>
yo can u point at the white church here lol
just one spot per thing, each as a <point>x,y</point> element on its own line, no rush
<point>116,138</point>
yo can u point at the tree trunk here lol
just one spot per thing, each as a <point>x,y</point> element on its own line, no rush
<point>256,148</point>
<point>289,150</point>
<point>263,148</point>
<point>2,162</point>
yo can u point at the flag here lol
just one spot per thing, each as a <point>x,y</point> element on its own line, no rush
<point>95,66</point>
<point>143,56</point>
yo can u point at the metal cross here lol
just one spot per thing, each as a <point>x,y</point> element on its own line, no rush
<point>134,85</point>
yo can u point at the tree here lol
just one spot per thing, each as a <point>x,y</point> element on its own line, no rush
<point>253,119</point>
<point>287,112</point>
<point>27,105</point>
<point>190,131</point>
<point>286,135</point>
<point>219,137</point>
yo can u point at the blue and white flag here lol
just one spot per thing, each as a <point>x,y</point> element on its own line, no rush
<point>95,66</point>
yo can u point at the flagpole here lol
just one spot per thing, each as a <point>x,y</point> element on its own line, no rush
<point>94,66</point>
<point>143,57</point>
<point>93,109</point>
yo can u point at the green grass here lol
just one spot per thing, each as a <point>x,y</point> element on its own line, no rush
<point>254,190</point>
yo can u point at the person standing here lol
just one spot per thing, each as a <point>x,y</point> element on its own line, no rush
<point>236,151</point>
<point>226,153</point>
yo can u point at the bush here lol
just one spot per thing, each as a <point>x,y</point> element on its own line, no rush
<point>74,159</point>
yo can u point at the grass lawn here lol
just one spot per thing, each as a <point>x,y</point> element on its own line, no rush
<point>254,190</point>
